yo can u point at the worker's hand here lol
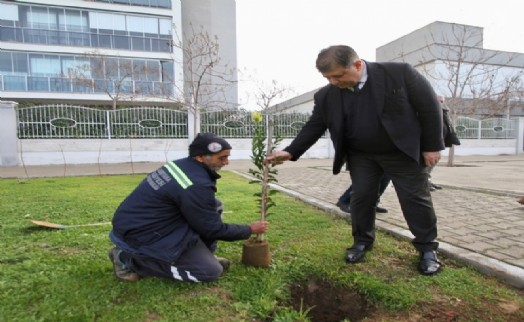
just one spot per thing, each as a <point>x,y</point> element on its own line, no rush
<point>277,157</point>
<point>431,158</point>
<point>259,227</point>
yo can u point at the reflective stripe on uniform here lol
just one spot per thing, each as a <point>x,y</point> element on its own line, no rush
<point>178,276</point>
<point>179,175</point>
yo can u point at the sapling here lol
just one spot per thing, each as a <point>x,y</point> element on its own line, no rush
<point>262,145</point>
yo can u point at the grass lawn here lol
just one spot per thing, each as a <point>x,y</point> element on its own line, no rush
<point>65,275</point>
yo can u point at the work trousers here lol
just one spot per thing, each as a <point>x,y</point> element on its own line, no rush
<point>196,264</point>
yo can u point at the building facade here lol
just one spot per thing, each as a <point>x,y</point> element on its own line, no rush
<point>102,51</point>
<point>475,80</point>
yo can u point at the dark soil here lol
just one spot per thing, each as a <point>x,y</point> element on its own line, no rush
<point>328,303</point>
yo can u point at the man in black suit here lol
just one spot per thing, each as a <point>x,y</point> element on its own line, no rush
<point>383,118</point>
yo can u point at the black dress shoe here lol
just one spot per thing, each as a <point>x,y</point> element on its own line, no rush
<point>429,263</point>
<point>344,207</point>
<point>356,253</point>
<point>436,186</point>
<point>380,209</point>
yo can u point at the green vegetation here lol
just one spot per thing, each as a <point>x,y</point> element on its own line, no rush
<point>65,275</point>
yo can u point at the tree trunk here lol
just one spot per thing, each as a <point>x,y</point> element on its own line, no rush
<point>451,156</point>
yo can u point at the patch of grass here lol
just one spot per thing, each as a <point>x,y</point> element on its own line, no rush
<point>64,275</point>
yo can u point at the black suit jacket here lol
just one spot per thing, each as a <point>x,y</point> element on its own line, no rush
<point>406,104</point>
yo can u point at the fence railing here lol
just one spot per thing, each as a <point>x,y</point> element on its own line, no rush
<point>493,128</point>
<point>78,122</point>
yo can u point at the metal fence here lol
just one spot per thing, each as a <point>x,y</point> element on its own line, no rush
<point>493,128</point>
<point>78,122</point>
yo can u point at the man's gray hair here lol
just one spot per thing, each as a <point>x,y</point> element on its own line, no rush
<point>334,56</point>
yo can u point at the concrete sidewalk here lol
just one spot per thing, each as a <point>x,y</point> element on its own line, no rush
<point>480,222</point>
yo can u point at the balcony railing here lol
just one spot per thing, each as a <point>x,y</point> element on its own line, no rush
<point>149,43</point>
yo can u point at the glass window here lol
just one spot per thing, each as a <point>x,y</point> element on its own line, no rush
<point>161,45</point>
<point>138,43</point>
<point>121,42</point>
<point>119,22</point>
<point>56,19</point>
<point>20,63</point>
<point>151,26</point>
<point>59,84</point>
<point>39,18</point>
<point>38,84</point>
<point>15,83</point>
<point>104,41</point>
<point>163,3</point>
<point>153,70</point>
<point>105,21</point>
<point>6,64</point>
<point>103,86</point>
<point>126,87</point>
<point>144,88</point>
<point>168,71</point>
<point>144,3</point>
<point>8,11</point>
<point>24,13</point>
<point>125,67</point>
<point>165,26</point>
<point>110,68</point>
<point>93,20</point>
<point>69,67</point>
<point>139,69</point>
<point>44,65</point>
<point>75,21</point>
<point>135,24</point>
<point>97,67</point>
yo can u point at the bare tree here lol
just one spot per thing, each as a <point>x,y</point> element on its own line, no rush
<point>473,80</point>
<point>113,76</point>
<point>206,78</point>
<point>267,94</point>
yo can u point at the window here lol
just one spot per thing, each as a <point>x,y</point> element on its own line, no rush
<point>6,65</point>
<point>44,65</point>
<point>165,26</point>
<point>167,71</point>
<point>153,70</point>
<point>139,69</point>
<point>75,20</point>
<point>20,63</point>
<point>8,12</point>
<point>15,83</point>
<point>39,18</point>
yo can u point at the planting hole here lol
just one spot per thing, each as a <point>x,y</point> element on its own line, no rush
<point>328,303</point>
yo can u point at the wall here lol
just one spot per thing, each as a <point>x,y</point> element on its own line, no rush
<point>44,152</point>
<point>86,151</point>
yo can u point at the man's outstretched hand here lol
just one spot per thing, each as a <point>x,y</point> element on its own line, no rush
<point>277,157</point>
<point>259,227</point>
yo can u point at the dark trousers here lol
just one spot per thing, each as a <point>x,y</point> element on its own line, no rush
<point>196,264</point>
<point>410,180</point>
<point>345,198</point>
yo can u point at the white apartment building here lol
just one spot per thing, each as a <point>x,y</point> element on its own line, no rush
<point>89,52</point>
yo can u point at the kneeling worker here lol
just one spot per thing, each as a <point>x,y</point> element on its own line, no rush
<point>169,225</point>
